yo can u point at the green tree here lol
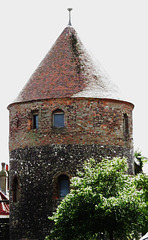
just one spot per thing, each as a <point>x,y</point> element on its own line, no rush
<point>142,183</point>
<point>104,203</point>
<point>139,162</point>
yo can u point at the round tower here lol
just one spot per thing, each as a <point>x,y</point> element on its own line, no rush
<point>67,112</point>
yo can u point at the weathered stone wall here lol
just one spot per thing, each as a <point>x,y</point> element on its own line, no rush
<point>4,228</point>
<point>93,128</point>
<point>36,169</point>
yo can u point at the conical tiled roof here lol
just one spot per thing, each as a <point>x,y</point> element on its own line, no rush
<point>67,71</point>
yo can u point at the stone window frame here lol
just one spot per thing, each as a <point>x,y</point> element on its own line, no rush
<point>56,190</point>
<point>56,112</point>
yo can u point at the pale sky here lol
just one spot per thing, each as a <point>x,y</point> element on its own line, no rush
<point>115,32</point>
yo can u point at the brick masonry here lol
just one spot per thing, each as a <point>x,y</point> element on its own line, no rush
<point>87,121</point>
<point>93,128</point>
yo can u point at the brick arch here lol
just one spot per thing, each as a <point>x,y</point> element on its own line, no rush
<point>55,183</point>
<point>57,110</point>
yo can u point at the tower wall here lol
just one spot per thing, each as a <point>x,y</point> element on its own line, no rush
<point>93,128</point>
<point>87,121</point>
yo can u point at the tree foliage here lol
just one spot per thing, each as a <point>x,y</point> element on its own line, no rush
<point>139,162</point>
<point>104,203</point>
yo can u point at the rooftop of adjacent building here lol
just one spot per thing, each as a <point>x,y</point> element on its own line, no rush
<point>4,205</point>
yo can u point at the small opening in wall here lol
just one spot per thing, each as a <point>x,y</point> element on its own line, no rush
<point>58,119</point>
<point>18,123</point>
<point>15,190</point>
<point>35,121</point>
<point>64,185</point>
<point>125,124</point>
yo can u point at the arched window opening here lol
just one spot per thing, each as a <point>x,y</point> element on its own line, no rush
<point>58,119</point>
<point>64,185</point>
<point>125,125</point>
<point>15,190</point>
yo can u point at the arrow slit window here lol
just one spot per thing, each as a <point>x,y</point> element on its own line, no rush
<point>35,121</point>
<point>63,182</point>
<point>15,190</point>
<point>125,125</point>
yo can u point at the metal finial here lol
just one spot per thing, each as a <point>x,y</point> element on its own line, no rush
<point>69,9</point>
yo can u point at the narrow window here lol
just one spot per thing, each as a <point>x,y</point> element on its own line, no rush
<point>63,182</point>
<point>125,125</point>
<point>35,121</point>
<point>15,190</point>
<point>58,119</point>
